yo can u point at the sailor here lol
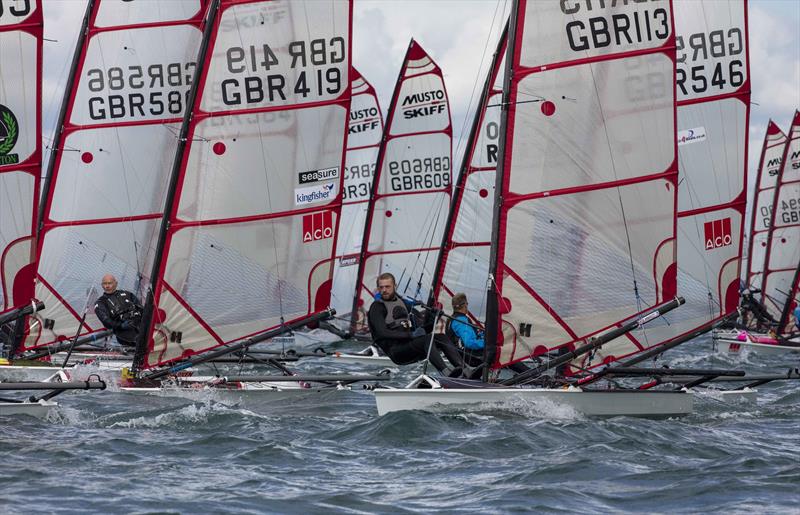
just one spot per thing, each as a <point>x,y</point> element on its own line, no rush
<point>393,331</point>
<point>120,311</point>
<point>467,337</point>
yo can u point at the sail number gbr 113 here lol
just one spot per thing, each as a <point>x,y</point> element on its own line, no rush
<point>255,89</point>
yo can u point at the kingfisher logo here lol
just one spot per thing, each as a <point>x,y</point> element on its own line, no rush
<point>317,226</point>
<point>695,135</point>
<point>310,195</point>
<point>718,233</point>
<point>9,133</point>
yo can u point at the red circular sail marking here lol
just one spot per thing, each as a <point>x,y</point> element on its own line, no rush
<point>483,193</point>
<point>87,157</point>
<point>548,108</point>
<point>219,148</point>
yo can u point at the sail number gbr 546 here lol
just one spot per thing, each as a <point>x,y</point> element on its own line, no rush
<point>252,86</point>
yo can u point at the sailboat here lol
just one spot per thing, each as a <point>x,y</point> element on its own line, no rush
<point>582,248</point>
<point>246,248</point>
<point>106,182</point>
<point>775,259</point>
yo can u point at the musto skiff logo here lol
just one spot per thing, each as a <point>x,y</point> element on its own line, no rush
<point>9,132</point>
<point>718,233</point>
<point>317,226</point>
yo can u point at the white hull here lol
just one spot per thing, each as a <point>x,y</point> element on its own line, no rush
<point>39,409</point>
<point>592,403</point>
<point>734,343</point>
<point>10,373</point>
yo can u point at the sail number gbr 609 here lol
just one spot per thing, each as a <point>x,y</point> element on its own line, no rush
<point>258,88</point>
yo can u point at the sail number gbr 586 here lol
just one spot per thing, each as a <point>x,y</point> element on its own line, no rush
<point>253,86</point>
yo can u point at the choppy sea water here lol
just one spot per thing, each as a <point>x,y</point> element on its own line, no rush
<point>113,452</point>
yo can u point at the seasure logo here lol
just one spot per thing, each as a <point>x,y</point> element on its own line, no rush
<point>317,226</point>
<point>9,133</point>
<point>325,174</point>
<point>695,135</point>
<point>423,104</point>
<point>312,194</point>
<point>718,233</point>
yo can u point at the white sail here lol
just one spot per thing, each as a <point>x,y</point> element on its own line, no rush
<point>411,189</point>
<point>20,148</point>
<point>464,258</point>
<point>713,110</point>
<point>766,184</point>
<point>250,240</point>
<point>365,129</point>
<point>108,178</point>
<point>584,236</point>
<point>783,244</point>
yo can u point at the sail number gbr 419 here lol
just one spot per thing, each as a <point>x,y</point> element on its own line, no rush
<point>251,87</point>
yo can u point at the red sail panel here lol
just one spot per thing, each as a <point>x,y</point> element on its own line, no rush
<point>465,254</point>
<point>251,236</point>
<point>411,189</point>
<point>783,243</point>
<point>713,110</point>
<point>108,181</point>
<point>585,233</point>
<point>20,148</point>
<point>769,167</point>
<point>364,133</point>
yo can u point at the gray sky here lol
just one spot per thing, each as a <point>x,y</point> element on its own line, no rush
<point>461,35</point>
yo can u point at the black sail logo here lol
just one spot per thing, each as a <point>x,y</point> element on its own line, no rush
<point>9,132</point>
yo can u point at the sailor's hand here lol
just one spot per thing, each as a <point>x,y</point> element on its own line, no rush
<point>418,332</point>
<point>125,325</point>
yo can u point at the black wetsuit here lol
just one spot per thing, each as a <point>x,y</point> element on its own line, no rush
<point>122,313</point>
<point>402,348</point>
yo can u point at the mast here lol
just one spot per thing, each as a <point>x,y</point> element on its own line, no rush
<point>467,167</point>
<point>412,182</point>
<point>149,306</point>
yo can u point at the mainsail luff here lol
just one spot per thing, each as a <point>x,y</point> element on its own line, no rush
<point>273,132</point>
<point>428,147</point>
<point>491,97</point>
<point>105,194</point>
<point>763,198</point>
<point>641,234</point>
<point>782,261</point>
<point>365,133</point>
<point>20,149</point>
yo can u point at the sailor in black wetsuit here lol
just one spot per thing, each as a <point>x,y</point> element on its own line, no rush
<point>392,330</point>
<point>120,311</point>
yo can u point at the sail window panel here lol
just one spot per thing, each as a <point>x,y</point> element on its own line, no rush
<point>127,173</point>
<point>251,164</point>
<point>466,272</point>
<point>487,145</point>
<point>416,164</point>
<point>136,75</point>
<point>358,174</point>
<point>476,209</point>
<point>711,147</point>
<point>575,255</point>
<point>124,12</point>
<point>75,257</point>
<point>763,209</point>
<point>18,91</point>
<point>567,30</point>
<point>711,48</point>
<point>345,273</point>
<point>407,223</point>
<point>16,191</point>
<point>242,278</point>
<point>194,336</point>
<point>408,268</point>
<point>351,233</point>
<point>785,253</point>
<point>17,11</point>
<point>269,54</point>
<point>612,120</point>
<point>421,106</point>
<point>365,127</point>
<point>777,286</point>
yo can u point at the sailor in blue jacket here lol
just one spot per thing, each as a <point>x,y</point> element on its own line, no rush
<point>468,336</point>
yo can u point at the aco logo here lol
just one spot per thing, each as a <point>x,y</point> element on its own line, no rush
<point>317,226</point>
<point>718,233</point>
<point>9,133</point>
